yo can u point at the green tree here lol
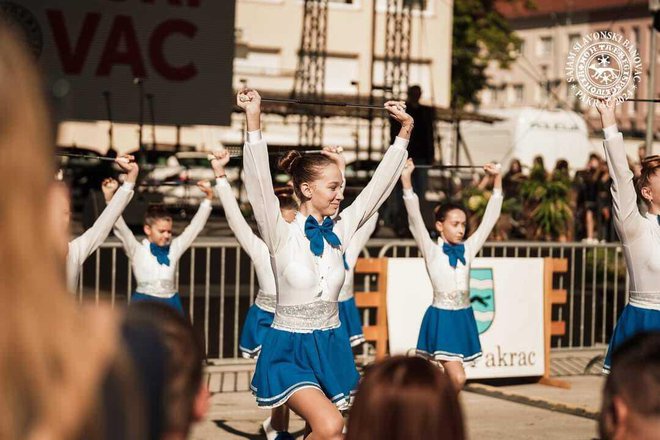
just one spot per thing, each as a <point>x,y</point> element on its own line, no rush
<point>480,34</point>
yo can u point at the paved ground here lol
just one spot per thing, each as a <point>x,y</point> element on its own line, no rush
<point>234,415</point>
<point>491,412</point>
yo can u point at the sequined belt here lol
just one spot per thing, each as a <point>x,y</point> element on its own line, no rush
<point>160,288</point>
<point>456,300</point>
<point>305,318</point>
<point>645,300</point>
<point>266,301</point>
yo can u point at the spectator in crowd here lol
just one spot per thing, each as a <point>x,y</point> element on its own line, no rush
<point>56,357</point>
<point>631,396</point>
<point>421,149</point>
<point>511,220</point>
<point>538,170</point>
<point>604,203</point>
<point>561,171</point>
<point>562,189</point>
<point>641,154</point>
<point>404,398</point>
<point>586,184</point>
<point>185,398</point>
<point>513,178</point>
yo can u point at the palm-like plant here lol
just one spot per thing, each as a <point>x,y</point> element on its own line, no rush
<point>546,203</point>
<point>476,200</point>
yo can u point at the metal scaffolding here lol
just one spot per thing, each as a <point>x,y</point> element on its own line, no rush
<point>395,59</point>
<point>309,82</point>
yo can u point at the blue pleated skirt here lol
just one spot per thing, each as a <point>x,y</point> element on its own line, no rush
<point>173,301</point>
<point>349,315</point>
<point>633,320</point>
<point>449,335</point>
<point>257,323</point>
<point>291,361</point>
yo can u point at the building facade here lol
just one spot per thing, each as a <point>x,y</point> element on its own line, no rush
<point>268,36</point>
<point>537,78</point>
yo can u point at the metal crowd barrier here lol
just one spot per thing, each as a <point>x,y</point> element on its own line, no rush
<point>217,284</point>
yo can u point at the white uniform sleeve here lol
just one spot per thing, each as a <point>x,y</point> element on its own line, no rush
<point>376,192</point>
<point>124,234</point>
<point>493,209</point>
<point>242,231</point>
<point>416,223</point>
<point>83,246</point>
<point>360,240</point>
<point>627,218</point>
<point>183,241</point>
<point>259,186</point>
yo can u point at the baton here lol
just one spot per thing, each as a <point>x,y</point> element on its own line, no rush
<point>328,103</point>
<point>84,156</point>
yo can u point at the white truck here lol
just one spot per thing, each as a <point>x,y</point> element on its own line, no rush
<point>526,133</point>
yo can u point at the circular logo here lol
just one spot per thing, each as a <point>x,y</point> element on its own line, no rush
<point>603,65</point>
<point>23,21</point>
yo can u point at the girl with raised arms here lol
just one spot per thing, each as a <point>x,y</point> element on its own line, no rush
<point>449,331</point>
<point>639,233</point>
<point>305,362</point>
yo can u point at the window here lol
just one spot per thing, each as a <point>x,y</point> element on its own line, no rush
<point>495,94</point>
<point>521,50</point>
<point>424,5</point>
<point>258,61</point>
<point>545,46</point>
<point>486,96</point>
<point>419,74</point>
<point>339,72</point>
<point>635,37</point>
<point>572,40</point>
<point>518,93</point>
<point>571,98</point>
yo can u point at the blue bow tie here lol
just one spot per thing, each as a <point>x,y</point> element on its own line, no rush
<point>317,233</point>
<point>455,252</point>
<point>161,253</point>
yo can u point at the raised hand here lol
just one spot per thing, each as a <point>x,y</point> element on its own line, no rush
<point>109,186</point>
<point>406,174</point>
<point>219,160</point>
<point>129,166</point>
<point>397,110</point>
<point>606,109</point>
<point>249,100</point>
<point>206,188</point>
<point>335,154</point>
<point>494,170</point>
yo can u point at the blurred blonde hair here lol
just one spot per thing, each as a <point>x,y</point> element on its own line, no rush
<point>53,356</point>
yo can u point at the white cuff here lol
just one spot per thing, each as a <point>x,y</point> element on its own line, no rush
<point>222,181</point>
<point>254,136</point>
<point>497,192</point>
<point>610,131</point>
<point>408,193</point>
<point>400,143</point>
<point>127,186</point>
<point>205,202</point>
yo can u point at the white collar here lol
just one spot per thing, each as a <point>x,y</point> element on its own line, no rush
<point>652,217</point>
<point>300,221</point>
